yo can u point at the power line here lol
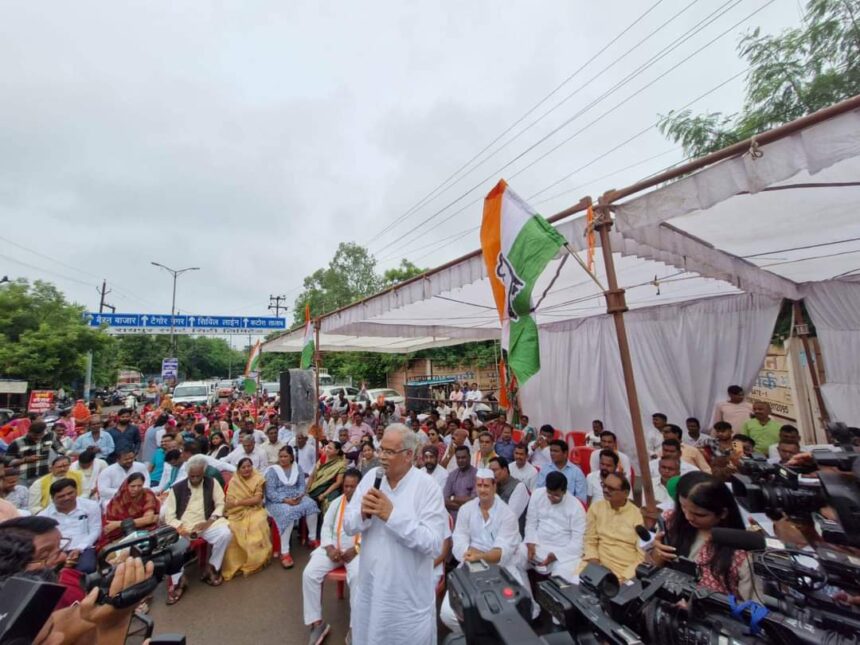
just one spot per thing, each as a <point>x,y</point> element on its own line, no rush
<point>707,20</point>
<point>532,109</point>
<point>494,174</point>
<point>44,270</point>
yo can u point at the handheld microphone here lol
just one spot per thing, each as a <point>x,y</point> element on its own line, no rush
<point>646,538</point>
<point>378,481</point>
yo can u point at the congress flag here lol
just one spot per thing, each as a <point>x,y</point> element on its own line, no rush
<point>517,244</point>
<point>308,345</point>
<point>253,365</point>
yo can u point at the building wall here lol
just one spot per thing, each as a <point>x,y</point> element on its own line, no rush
<point>487,378</point>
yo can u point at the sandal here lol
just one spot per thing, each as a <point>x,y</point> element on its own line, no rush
<point>213,579</point>
<point>176,593</point>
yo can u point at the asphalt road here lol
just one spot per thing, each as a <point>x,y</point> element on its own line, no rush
<point>263,608</point>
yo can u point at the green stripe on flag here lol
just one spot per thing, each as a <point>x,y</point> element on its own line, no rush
<point>307,355</point>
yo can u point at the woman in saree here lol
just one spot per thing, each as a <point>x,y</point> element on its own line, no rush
<point>286,501</point>
<point>325,481</point>
<point>132,508</point>
<point>251,547</point>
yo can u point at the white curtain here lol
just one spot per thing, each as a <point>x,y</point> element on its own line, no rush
<point>834,307</point>
<point>684,357</point>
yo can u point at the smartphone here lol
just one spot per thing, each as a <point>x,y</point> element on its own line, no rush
<point>477,566</point>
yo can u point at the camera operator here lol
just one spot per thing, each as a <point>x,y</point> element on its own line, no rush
<point>704,503</point>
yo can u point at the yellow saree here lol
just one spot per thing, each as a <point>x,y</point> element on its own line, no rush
<point>251,547</point>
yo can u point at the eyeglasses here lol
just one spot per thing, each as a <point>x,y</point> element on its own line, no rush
<point>387,452</point>
<point>610,489</point>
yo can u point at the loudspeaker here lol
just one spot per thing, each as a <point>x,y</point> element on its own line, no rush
<point>298,396</point>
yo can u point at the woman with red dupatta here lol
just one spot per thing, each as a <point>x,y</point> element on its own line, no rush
<point>131,502</point>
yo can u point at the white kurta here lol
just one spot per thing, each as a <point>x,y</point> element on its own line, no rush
<point>439,475</point>
<point>527,474</point>
<point>397,603</point>
<point>499,531</point>
<point>558,529</point>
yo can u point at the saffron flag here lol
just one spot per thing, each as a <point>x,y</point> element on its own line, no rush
<point>517,244</point>
<point>308,345</point>
<point>253,365</point>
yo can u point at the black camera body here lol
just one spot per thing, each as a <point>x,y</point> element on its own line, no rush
<point>163,547</point>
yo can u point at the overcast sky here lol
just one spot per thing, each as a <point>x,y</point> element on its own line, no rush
<point>250,138</point>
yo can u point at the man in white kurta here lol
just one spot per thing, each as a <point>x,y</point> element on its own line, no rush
<point>336,549</point>
<point>555,529</point>
<point>486,530</point>
<point>112,477</point>
<point>402,526</point>
<point>522,470</point>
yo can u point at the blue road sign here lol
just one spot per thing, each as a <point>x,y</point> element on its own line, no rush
<point>185,324</point>
<point>170,368</point>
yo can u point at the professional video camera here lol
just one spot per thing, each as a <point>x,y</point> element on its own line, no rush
<point>662,606</point>
<point>163,547</point>
<point>777,490</point>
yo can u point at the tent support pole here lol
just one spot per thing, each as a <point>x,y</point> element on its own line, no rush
<point>801,330</point>
<point>317,326</point>
<point>616,305</point>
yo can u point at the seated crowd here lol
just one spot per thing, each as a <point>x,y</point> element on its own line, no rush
<point>235,481</point>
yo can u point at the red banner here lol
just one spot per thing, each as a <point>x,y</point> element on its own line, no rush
<point>40,401</point>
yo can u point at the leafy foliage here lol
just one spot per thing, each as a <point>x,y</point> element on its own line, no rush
<point>43,338</point>
<point>199,357</point>
<point>791,74</point>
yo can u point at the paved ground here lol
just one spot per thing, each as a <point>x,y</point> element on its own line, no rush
<point>261,609</point>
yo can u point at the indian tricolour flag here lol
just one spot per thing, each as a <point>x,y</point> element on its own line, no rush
<point>517,244</point>
<point>253,365</point>
<point>308,344</point>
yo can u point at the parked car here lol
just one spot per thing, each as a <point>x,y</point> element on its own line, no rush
<point>194,393</point>
<point>271,388</point>
<point>390,396</point>
<point>329,392</point>
<point>225,388</point>
<point>135,389</point>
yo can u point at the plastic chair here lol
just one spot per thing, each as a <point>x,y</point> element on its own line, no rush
<point>276,537</point>
<point>201,549</point>
<point>338,575</point>
<point>578,438</point>
<point>581,456</point>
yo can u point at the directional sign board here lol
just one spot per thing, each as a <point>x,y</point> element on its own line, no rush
<point>170,369</point>
<point>185,324</point>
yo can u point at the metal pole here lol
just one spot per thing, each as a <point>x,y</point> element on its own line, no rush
<point>801,329</point>
<point>172,315</point>
<point>316,385</point>
<point>616,305</point>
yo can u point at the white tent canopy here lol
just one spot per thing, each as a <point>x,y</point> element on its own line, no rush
<point>714,250</point>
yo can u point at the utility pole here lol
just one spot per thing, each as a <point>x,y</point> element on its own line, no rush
<point>102,293</point>
<point>175,273</point>
<point>275,304</point>
<point>88,375</point>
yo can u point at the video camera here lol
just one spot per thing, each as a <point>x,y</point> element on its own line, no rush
<point>662,606</point>
<point>776,490</point>
<point>163,547</point>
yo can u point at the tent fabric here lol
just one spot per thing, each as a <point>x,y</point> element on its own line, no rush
<point>684,357</point>
<point>790,210</point>
<point>834,308</point>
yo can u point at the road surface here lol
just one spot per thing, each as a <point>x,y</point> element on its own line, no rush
<point>261,609</point>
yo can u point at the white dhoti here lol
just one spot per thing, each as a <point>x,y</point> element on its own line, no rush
<point>219,537</point>
<point>315,572</point>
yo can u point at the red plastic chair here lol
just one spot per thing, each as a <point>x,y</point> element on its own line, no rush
<point>338,575</point>
<point>201,548</point>
<point>578,438</point>
<point>276,537</point>
<point>517,436</point>
<point>581,456</point>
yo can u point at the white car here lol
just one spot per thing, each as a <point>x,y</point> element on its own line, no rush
<point>390,396</point>
<point>195,393</point>
<point>331,392</point>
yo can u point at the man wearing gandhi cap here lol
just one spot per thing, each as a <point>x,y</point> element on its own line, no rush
<point>486,530</point>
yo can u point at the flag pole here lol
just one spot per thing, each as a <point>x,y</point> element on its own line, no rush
<point>316,383</point>
<point>616,305</point>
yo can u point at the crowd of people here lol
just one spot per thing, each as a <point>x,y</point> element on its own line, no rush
<point>456,489</point>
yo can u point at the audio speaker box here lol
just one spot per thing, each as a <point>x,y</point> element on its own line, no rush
<point>298,396</point>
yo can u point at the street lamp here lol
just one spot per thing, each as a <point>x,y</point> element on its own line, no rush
<point>175,273</point>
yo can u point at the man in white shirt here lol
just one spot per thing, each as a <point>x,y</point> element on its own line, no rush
<point>432,467</point>
<point>668,467</point>
<point>458,438</point>
<point>654,436</point>
<point>555,529</point>
<point>249,449</point>
<point>286,435</point>
<point>112,477</point>
<point>522,470</point>
<point>608,441</point>
<point>487,530</point>
<point>249,429</point>
<point>608,463</point>
<point>735,411</point>
<point>90,467</point>
<point>272,446</point>
<point>80,522</point>
<point>539,454</point>
<point>474,394</point>
<point>336,549</point>
<point>671,448</point>
<point>306,453</point>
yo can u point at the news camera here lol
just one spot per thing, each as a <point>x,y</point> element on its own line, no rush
<point>163,547</point>
<point>778,490</point>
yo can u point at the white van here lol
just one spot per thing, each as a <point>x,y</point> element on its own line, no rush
<point>194,393</point>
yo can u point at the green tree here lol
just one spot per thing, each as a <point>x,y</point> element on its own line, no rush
<point>43,338</point>
<point>400,273</point>
<point>350,275</point>
<point>791,74</point>
<point>199,356</point>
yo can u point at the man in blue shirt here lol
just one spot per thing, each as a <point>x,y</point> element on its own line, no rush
<point>168,443</point>
<point>576,484</point>
<point>100,441</point>
<point>505,445</point>
<point>125,435</point>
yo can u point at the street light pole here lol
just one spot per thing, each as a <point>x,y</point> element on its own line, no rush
<point>175,273</point>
